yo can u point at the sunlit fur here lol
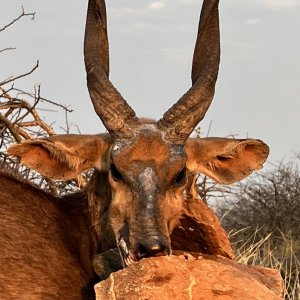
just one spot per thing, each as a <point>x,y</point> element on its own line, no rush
<point>146,201</point>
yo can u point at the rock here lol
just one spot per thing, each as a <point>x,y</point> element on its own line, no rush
<point>211,275</point>
<point>186,277</point>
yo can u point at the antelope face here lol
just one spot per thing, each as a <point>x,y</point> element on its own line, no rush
<point>148,178</point>
<point>148,161</point>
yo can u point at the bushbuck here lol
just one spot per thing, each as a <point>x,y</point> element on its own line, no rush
<point>143,182</point>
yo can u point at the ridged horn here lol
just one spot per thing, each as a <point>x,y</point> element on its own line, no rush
<point>181,119</point>
<point>117,116</point>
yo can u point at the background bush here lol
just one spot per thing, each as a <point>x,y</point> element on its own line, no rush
<point>262,217</point>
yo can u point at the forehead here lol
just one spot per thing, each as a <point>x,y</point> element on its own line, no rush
<point>148,147</point>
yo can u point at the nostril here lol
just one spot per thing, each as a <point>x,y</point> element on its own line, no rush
<point>151,247</point>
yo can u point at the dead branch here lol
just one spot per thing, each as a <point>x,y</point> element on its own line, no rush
<point>20,116</point>
<point>55,103</point>
<point>21,15</point>
<point>20,119</point>
<point>7,49</point>
<point>12,79</point>
<point>10,127</point>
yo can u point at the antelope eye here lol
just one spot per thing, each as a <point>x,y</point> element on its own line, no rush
<point>116,175</point>
<point>180,177</point>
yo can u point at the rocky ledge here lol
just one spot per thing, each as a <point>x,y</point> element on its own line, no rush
<point>193,276</point>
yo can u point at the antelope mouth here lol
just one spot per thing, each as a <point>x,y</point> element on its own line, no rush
<point>128,257</point>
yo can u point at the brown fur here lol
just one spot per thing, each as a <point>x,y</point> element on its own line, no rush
<point>61,156</point>
<point>145,147</point>
<point>148,166</point>
<point>45,244</point>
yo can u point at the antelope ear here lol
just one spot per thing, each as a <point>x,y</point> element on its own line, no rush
<point>225,160</point>
<point>63,156</point>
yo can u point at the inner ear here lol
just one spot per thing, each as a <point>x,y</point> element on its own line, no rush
<point>63,156</point>
<point>226,160</point>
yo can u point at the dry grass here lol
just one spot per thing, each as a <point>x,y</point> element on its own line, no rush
<point>262,216</point>
<point>280,253</point>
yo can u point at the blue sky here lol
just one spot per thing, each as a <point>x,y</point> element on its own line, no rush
<point>151,47</point>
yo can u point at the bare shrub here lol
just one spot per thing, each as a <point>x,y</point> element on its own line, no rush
<point>263,221</point>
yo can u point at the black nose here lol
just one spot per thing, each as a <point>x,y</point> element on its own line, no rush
<point>151,247</point>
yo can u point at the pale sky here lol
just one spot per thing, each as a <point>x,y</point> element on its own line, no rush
<point>151,47</point>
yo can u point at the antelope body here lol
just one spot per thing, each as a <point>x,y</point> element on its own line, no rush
<point>44,243</point>
<point>144,171</point>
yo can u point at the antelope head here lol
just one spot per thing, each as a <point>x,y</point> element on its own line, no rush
<point>149,164</point>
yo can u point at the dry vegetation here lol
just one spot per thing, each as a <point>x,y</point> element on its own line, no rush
<point>22,117</point>
<point>263,220</point>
